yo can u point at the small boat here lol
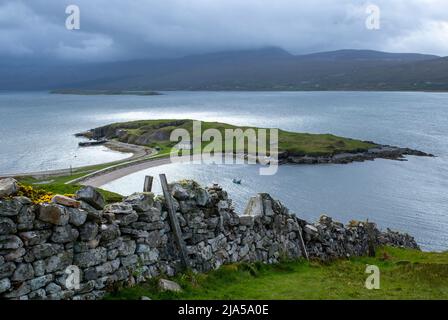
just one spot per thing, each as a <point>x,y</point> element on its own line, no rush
<point>236,181</point>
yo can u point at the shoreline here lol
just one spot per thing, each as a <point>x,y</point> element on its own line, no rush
<point>102,177</point>
<point>145,158</point>
<point>136,150</point>
<point>110,174</point>
<point>138,153</point>
<point>379,152</point>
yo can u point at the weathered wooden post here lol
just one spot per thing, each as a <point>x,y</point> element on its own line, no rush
<point>174,221</point>
<point>302,244</point>
<point>147,187</point>
<point>371,238</point>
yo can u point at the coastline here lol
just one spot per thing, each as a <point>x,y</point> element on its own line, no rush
<point>144,158</point>
<point>138,153</point>
<point>136,150</point>
<point>102,177</point>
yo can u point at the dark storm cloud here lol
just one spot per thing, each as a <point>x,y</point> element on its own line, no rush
<point>116,30</point>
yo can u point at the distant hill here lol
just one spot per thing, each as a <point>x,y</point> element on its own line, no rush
<point>367,55</point>
<point>263,69</point>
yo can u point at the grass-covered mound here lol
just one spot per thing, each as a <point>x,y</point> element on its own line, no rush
<point>156,133</point>
<point>405,274</point>
<point>41,192</point>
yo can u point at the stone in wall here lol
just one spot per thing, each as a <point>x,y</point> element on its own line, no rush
<point>8,187</point>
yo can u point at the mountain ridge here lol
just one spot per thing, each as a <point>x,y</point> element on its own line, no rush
<point>269,68</point>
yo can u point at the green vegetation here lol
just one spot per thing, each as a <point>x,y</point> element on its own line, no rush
<point>57,187</point>
<point>156,133</point>
<point>405,274</point>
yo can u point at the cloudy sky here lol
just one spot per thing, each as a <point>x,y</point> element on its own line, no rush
<point>121,30</point>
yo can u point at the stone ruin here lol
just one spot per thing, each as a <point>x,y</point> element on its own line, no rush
<point>125,243</point>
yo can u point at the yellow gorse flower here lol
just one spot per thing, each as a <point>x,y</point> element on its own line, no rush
<point>37,196</point>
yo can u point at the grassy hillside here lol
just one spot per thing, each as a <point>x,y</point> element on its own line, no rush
<point>405,274</point>
<point>156,133</point>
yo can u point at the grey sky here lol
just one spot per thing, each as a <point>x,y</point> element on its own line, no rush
<point>117,29</point>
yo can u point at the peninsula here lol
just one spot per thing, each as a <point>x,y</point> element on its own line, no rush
<point>293,147</point>
<point>149,142</point>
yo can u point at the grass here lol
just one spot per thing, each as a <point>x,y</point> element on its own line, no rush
<point>295,143</point>
<point>405,274</point>
<point>58,186</point>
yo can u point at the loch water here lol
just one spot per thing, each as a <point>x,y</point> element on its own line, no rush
<point>36,133</point>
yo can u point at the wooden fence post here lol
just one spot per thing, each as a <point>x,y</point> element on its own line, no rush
<point>147,187</point>
<point>370,238</point>
<point>302,244</point>
<point>174,221</point>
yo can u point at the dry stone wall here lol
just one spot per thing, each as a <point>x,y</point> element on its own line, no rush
<point>129,242</point>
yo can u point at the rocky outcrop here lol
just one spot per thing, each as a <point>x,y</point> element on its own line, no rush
<point>125,243</point>
<point>119,132</point>
<point>379,152</point>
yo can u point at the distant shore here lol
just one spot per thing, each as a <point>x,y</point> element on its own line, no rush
<point>105,92</point>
